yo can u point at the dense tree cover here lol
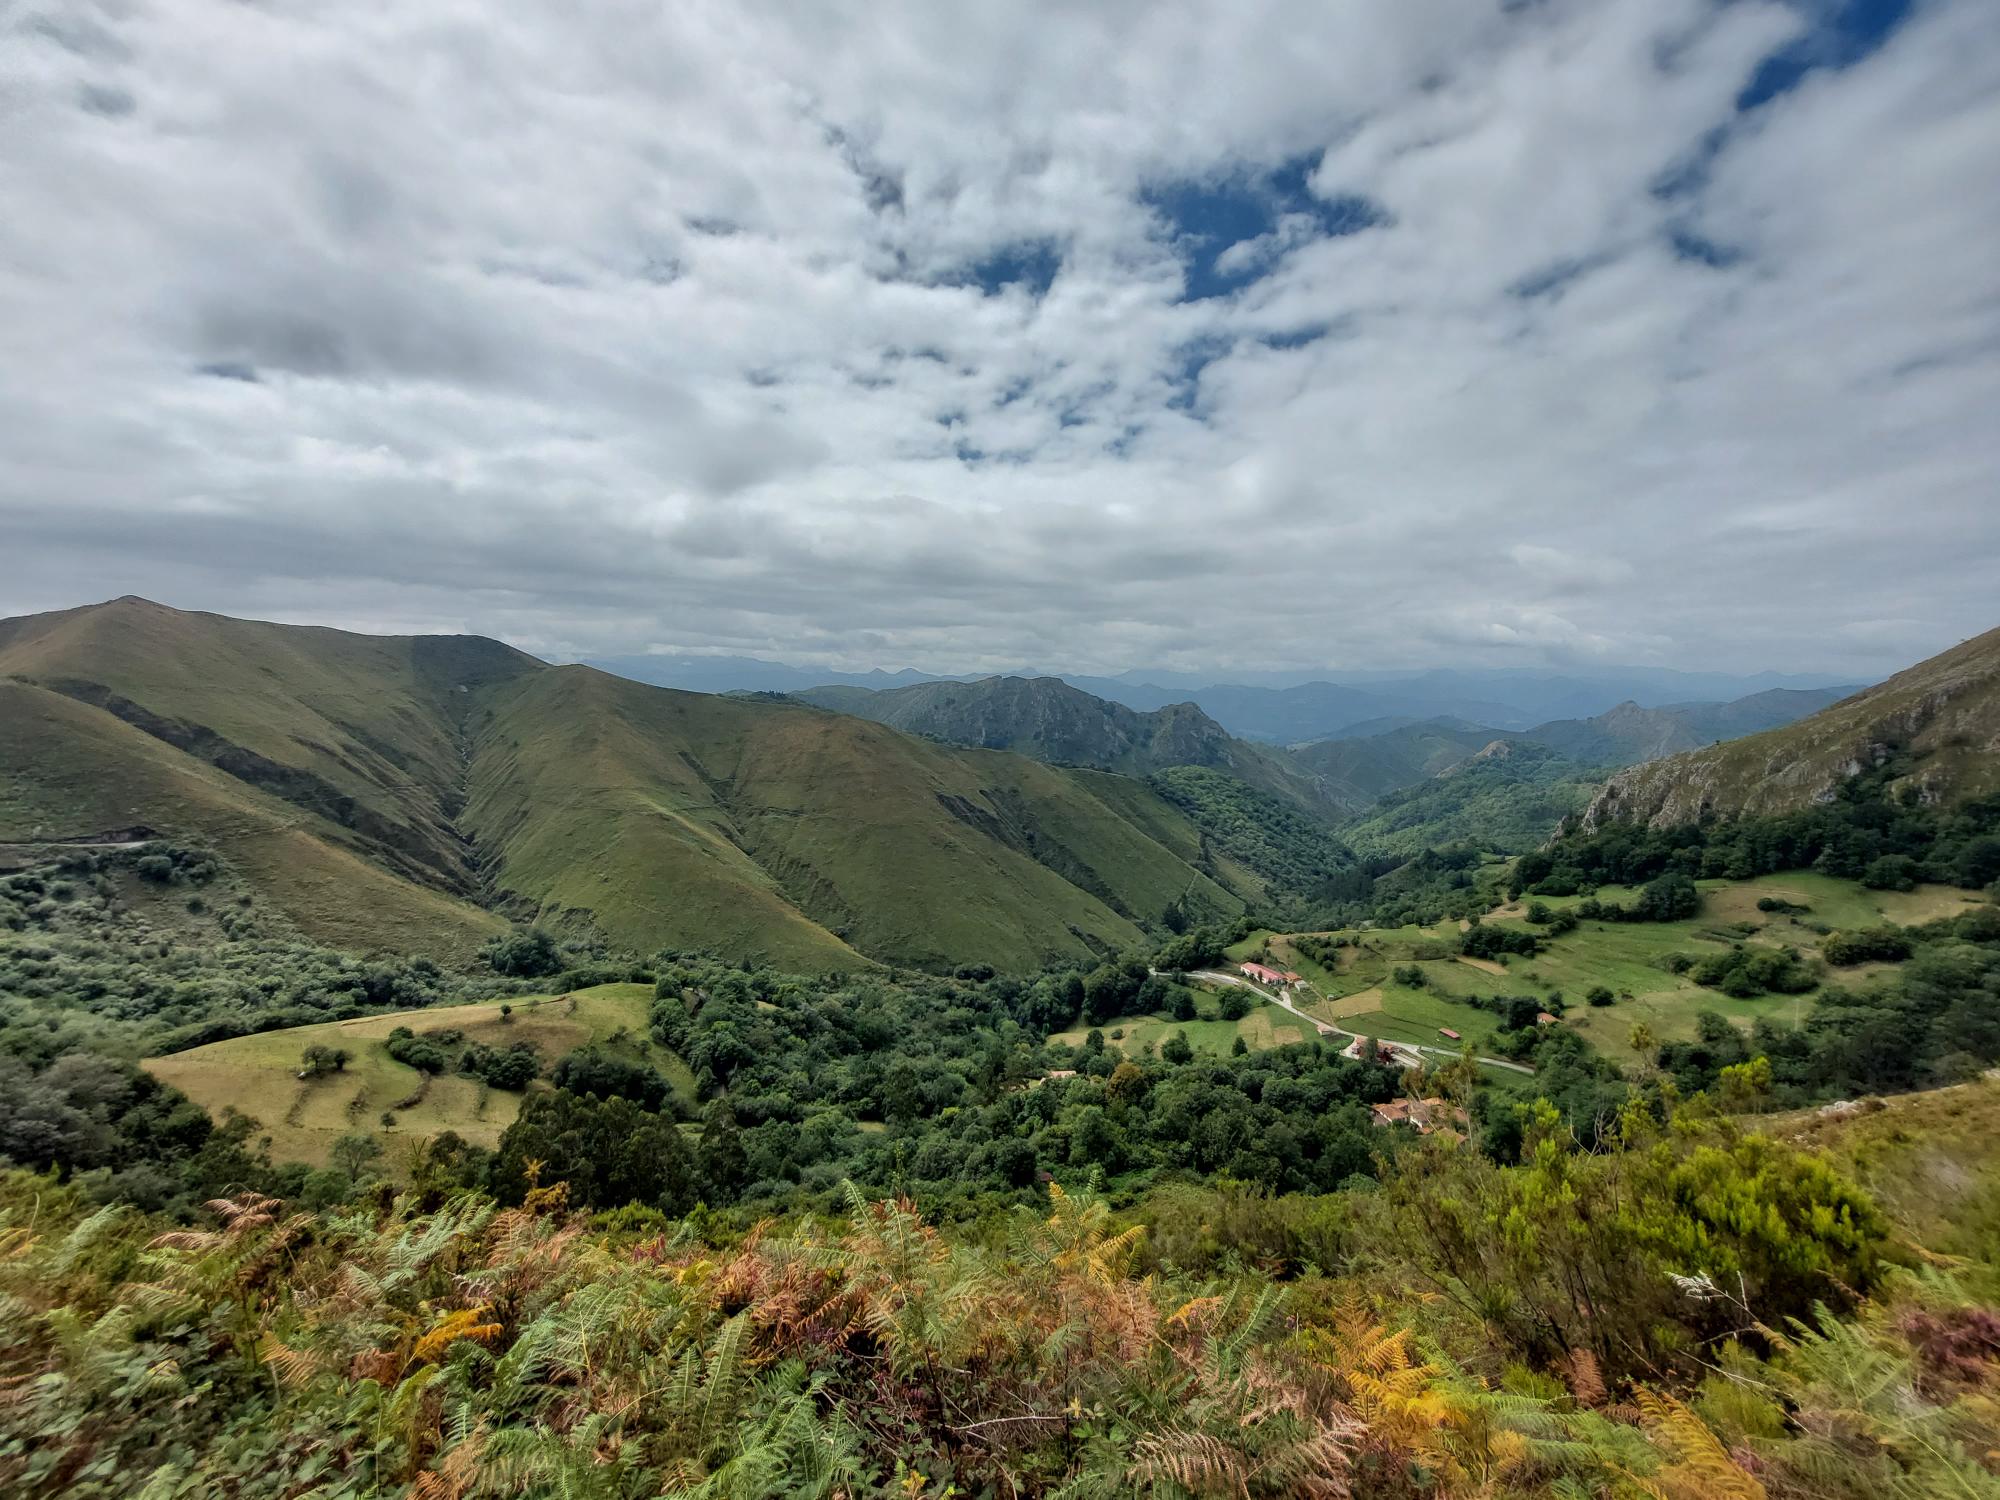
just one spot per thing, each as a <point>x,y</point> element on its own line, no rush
<point>591,1070</point>
<point>962,1096</point>
<point>1453,883</point>
<point>1936,1022</point>
<point>1507,803</point>
<point>1286,846</point>
<point>1745,971</point>
<point>1691,1311</point>
<point>93,958</point>
<point>1481,940</point>
<point>1863,832</point>
<point>531,954</point>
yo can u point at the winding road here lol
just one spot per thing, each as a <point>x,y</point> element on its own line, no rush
<point>1217,976</point>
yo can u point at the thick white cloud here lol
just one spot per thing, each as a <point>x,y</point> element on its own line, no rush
<point>664,326</point>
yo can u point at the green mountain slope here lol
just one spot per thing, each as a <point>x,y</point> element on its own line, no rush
<point>778,831</point>
<point>363,731</point>
<point>1046,718</point>
<point>385,781</point>
<point>69,770</point>
<point>1357,771</point>
<point>1935,727</point>
<point>1508,797</point>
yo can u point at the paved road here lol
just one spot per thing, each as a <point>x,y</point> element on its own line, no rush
<point>1216,976</point>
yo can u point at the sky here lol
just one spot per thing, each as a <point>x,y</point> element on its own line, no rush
<point>1263,334</point>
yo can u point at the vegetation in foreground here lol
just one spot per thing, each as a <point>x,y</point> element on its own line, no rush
<point>1691,1312</point>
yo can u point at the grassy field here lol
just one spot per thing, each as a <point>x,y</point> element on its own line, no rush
<point>1932,1159</point>
<point>1265,1026</point>
<point>1355,989</point>
<point>258,1075</point>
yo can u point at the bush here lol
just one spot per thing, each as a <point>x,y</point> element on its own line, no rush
<point>1234,1003</point>
<point>1598,995</point>
<point>1892,872</point>
<point>524,955</point>
<point>414,1051</point>
<point>588,1071</point>
<point>1867,945</point>
<point>1743,973</point>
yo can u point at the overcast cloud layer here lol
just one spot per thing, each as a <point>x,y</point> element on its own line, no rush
<point>1392,333</point>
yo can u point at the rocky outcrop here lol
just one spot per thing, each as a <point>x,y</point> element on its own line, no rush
<point>1934,727</point>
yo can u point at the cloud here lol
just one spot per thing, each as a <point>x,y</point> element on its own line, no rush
<point>1091,337</point>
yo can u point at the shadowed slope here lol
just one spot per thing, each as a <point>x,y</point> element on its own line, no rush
<point>72,770</point>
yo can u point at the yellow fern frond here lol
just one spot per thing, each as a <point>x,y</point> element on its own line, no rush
<point>453,1326</point>
<point>1699,1467</point>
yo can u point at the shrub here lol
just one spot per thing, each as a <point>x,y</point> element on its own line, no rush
<point>1867,945</point>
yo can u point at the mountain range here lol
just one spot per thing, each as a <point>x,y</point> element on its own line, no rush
<point>425,793</point>
<point>1048,719</point>
<point>1053,721</point>
<point>1278,707</point>
<point>420,792</point>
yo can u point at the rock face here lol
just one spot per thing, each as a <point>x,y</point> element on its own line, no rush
<point>1936,725</point>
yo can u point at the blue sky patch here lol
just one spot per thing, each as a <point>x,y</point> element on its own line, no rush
<point>1030,265</point>
<point>1206,216</point>
<point>1843,33</point>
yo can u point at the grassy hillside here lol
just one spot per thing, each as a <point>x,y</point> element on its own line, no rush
<point>1357,985</point>
<point>73,770</point>
<point>380,786</point>
<point>258,1075</point>
<point>1934,727</point>
<point>1509,798</point>
<point>1359,770</point>
<point>362,731</point>
<point>807,838</point>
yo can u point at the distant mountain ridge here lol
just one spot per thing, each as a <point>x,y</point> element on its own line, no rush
<point>1629,734</point>
<point>1047,718</point>
<point>1275,707</point>
<point>1932,729</point>
<point>1357,770</point>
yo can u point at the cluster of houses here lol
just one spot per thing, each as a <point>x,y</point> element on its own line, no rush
<point>1265,974</point>
<point>1438,1117</point>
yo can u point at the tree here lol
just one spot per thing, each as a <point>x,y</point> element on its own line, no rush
<point>589,1071</point>
<point>354,1151</point>
<point>1181,1007</point>
<point>1234,1003</point>
<point>609,1151</point>
<point>1177,1049</point>
<point>725,1165</point>
<point>1670,898</point>
<point>1599,995</point>
<point>1892,872</point>
<point>529,954</point>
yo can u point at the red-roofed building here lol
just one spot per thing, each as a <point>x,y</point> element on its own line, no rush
<point>1447,1031</point>
<point>1262,974</point>
<point>1543,1018</point>
<point>1426,1116</point>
